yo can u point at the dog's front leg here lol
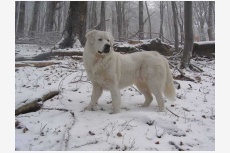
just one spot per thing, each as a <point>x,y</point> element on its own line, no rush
<point>116,100</point>
<point>96,93</point>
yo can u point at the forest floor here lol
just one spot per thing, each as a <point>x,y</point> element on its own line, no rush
<point>62,124</point>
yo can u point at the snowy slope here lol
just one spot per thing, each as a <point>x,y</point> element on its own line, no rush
<point>135,128</point>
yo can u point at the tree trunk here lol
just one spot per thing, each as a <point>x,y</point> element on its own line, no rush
<point>175,25</point>
<point>210,21</point>
<point>161,35</point>
<point>75,26</point>
<point>200,10</point>
<point>124,32</point>
<point>101,26</point>
<point>16,14</point>
<point>188,29</point>
<point>93,15</point>
<point>21,20</point>
<point>141,23</point>
<point>150,26</point>
<point>181,24</point>
<point>50,15</point>
<point>119,20</point>
<point>34,21</point>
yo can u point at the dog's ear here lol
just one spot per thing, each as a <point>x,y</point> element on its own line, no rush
<point>111,39</point>
<point>90,36</point>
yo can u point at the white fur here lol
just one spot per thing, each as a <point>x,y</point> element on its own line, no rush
<point>149,71</point>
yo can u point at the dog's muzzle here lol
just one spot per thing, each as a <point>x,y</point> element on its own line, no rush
<point>106,48</point>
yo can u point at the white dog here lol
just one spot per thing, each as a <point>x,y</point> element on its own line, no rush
<point>110,70</point>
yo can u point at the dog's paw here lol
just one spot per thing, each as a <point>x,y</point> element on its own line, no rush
<point>89,108</point>
<point>115,112</point>
<point>162,109</point>
<point>145,105</point>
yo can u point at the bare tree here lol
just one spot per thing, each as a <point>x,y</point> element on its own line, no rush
<point>169,21</point>
<point>141,23</point>
<point>75,26</point>
<point>101,25</point>
<point>50,15</point>
<point>188,29</point>
<point>21,20</point>
<point>181,22</point>
<point>150,26</point>
<point>92,15</point>
<point>33,25</point>
<point>161,34</point>
<point>119,20</point>
<point>16,14</point>
<point>175,25</point>
<point>210,21</point>
<point>124,23</point>
<point>200,12</point>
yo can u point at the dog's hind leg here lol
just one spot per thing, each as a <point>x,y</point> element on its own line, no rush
<point>96,93</point>
<point>160,100</point>
<point>157,90</point>
<point>144,89</point>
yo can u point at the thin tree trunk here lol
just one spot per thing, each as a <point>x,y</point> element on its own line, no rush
<point>119,20</point>
<point>21,20</point>
<point>93,15</point>
<point>161,34</point>
<point>188,29</point>
<point>124,32</point>
<point>75,26</point>
<point>175,25</point>
<point>34,21</point>
<point>181,24</point>
<point>50,15</point>
<point>16,15</point>
<point>101,26</point>
<point>141,23</point>
<point>114,22</point>
<point>150,27</point>
<point>210,21</point>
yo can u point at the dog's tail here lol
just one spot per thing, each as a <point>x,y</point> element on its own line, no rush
<point>169,90</point>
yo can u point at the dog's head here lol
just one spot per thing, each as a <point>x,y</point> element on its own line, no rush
<point>101,41</point>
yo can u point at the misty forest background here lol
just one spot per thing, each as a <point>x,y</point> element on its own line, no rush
<point>64,24</point>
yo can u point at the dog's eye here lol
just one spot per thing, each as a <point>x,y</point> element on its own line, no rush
<point>100,39</point>
<point>108,40</point>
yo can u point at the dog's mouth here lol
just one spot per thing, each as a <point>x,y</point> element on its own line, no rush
<point>100,52</point>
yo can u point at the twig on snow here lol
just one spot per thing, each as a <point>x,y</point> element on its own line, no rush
<point>172,112</point>
<point>64,146</point>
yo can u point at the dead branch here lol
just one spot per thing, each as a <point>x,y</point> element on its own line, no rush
<point>172,112</point>
<point>88,143</point>
<point>64,146</point>
<point>27,108</point>
<point>48,55</point>
<point>59,109</point>
<point>175,67</point>
<point>34,105</point>
<point>182,74</point>
<point>36,64</point>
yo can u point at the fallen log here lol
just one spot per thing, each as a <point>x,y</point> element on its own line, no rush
<point>152,45</point>
<point>205,48</point>
<point>35,64</point>
<point>159,46</point>
<point>47,56</point>
<point>34,105</point>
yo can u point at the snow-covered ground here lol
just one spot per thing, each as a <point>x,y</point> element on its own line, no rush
<point>134,128</point>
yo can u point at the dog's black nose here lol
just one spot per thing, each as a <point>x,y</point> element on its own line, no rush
<point>107,48</point>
